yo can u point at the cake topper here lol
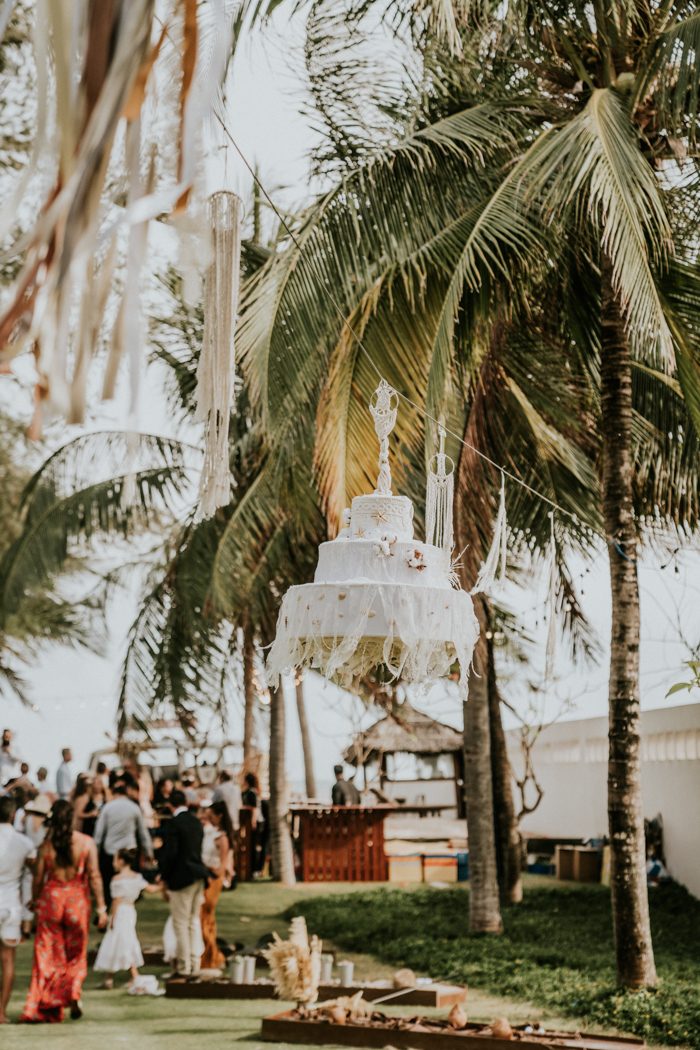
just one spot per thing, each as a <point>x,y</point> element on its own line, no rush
<point>383,406</point>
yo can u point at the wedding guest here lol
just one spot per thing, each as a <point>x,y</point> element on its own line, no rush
<point>16,852</point>
<point>161,798</point>
<point>8,760</point>
<point>189,786</point>
<point>344,792</point>
<point>36,812</point>
<point>102,775</point>
<point>67,870</point>
<point>42,783</point>
<point>184,874</point>
<point>65,778</point>
<point>120,825</point>
<point>88,800</point>
<point>217,855</point>
<point>79,799</point>
<point>145,783</point>
<point>120,948</point>
<point>253,801</point>
<point>228,791</point>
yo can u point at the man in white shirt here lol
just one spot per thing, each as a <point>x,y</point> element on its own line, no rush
<point>65,777</point>
<point>16,852</point>
<point>228,791</point>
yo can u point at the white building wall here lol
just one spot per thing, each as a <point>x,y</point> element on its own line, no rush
<point>570,761</point>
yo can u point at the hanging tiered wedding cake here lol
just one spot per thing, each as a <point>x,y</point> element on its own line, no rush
<point>379,596</point>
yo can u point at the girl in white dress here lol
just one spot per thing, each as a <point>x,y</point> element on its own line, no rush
<point>120,948</point>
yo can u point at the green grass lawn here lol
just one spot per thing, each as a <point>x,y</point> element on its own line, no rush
<point>556,952</point>
<point>513,976</point>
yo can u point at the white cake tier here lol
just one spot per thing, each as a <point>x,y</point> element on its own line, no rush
<point>376,561</point>
<point>345,630</point>
<point>375,516</point>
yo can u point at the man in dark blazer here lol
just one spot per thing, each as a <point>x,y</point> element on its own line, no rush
<point>181,868</point>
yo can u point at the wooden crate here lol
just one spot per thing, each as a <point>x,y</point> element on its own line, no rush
<point>578,863</point>
<point>564,862</point>
<point>587,864</point>
<point>441,996</point>
<point>289,1027</point>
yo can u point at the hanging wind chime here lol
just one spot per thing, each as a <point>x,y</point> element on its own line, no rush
<point>380,597</point>
<point>217,362</point>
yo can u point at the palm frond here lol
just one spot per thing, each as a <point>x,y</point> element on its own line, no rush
<point>674,70</point>
<point>357,233</point>
<point>53,523</point>
<point>592,168</point>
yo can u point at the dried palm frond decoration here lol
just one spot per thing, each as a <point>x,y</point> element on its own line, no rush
<point>107,71</point>
<point>295,965</point>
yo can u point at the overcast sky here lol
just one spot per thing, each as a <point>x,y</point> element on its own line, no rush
<point>74,693</point>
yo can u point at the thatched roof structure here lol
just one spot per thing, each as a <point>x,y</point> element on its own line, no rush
<point>405,729</point>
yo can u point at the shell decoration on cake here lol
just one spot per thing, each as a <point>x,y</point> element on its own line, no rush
<point>379,596</point>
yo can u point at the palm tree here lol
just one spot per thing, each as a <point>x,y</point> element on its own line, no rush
<point>459,220</point>
<point>624,88</point>
<point>38,613</point>
<point>397,334</point>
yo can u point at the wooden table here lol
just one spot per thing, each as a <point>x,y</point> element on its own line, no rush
<point>436,995</point>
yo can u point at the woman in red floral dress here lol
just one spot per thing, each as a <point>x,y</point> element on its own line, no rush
<point>66,870</point>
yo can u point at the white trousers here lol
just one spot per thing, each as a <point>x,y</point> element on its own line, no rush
<point>185,907</point>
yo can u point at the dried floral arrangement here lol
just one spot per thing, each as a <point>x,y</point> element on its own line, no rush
<point>295,965</point>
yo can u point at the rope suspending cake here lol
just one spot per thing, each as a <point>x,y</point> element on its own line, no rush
<point>379,596</point>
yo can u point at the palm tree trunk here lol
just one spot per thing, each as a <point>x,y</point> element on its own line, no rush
<point>484,907</point>
<point>508,846</point>
<point>630,903</point>
<point>305,739</point>
<point>281,850</point>
<point>249,696</point>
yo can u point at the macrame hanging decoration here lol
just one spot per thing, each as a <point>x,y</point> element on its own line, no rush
<point>439,498</point>
<point>113,67</point>
<point>380,598</point>
<point>217,361</point>
<point>493,570</point>
<point>550,651</point>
